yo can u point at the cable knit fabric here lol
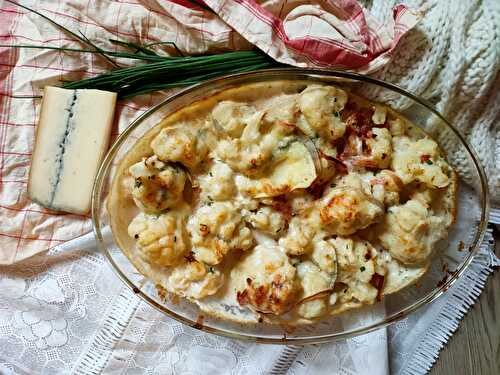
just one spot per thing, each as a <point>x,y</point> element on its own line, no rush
<point>452,59</point>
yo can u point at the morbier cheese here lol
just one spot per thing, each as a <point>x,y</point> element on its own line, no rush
<point>71,139</point>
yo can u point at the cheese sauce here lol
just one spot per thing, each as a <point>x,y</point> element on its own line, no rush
<point>286,200</point>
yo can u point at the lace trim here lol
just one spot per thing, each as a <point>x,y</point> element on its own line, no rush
<point>99,351</point>
<point>285,360</point>
<point>457,305</point>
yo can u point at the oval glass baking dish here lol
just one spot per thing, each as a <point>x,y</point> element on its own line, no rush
<point>449,263</point>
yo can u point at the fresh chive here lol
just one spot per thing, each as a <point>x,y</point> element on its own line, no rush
<point>185,71</point>
<point>81,38</point>
<point>161,72</point>
<point>138,48</point>
<point>99,50</point>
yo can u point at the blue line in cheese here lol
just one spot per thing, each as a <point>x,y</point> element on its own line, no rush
<point>71,139</point>
<point>59,164</point>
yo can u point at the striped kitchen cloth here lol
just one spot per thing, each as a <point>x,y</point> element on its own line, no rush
<point>303,33</point>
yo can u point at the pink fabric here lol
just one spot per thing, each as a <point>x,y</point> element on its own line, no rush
<point>302,33</point>
<point>325,34</point>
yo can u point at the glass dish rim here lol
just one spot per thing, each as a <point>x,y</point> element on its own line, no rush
<point>268,74</point>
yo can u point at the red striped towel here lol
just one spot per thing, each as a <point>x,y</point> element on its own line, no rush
<point>302,33</point>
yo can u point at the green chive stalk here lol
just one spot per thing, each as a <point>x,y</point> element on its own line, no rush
<point>160,71</point>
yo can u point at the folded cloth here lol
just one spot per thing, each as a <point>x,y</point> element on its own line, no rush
<point>334,34</point>
<point>324,34</point>
<point>67,312</point>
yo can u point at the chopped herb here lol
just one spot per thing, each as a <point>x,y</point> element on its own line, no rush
<point>210,174</point>
<point>362,268</point>
<point>336,114</point>
<point>429,162</point>
<point>138,182</point>
<point>210,269</point>
<point>333,185</point>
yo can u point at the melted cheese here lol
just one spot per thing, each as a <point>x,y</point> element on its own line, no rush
<point>244,215</point>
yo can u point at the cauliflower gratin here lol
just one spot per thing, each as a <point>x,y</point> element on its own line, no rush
<point>282,201</point>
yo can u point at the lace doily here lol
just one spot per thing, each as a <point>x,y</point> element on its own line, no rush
<point>66,312</point>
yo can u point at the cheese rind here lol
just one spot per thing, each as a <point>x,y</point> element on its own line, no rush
<point>71,139</point>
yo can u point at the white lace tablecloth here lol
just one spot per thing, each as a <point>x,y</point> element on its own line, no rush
<point>66,312</point>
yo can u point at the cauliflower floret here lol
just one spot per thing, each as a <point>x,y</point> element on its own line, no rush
<point>218,184</point>
<point>345,210</point>
<point>182,144</point>
<point>267,280</point>
<point>298,239</point>
<point>250,154</point>
<point>320,106</point>
<point>323,255</point>
<point>355,181</point>
<point>158,185</point>
<point>419,161</point>
<point>397,127</point>
<point>386,187</point>
<point>267,220</point>
<point>160,239</point>
<point>374,153</point>
<point>194,280</point>
<point>232,117</point>
<point>282,111</point>
<point>217,229</point>
<point>410,232</point>
<point>380,147</point>
<point>312,280</point>
<point>379,115</point>
<point>359,269</point>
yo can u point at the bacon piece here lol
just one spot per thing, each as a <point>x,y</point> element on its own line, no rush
<point>284,207</point>
<point>378,282</point>
<point>425,158</point>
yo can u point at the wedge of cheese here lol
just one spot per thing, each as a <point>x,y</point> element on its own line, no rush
<point>71,139</point>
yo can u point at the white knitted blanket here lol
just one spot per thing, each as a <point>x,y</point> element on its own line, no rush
<point>452,59</point>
